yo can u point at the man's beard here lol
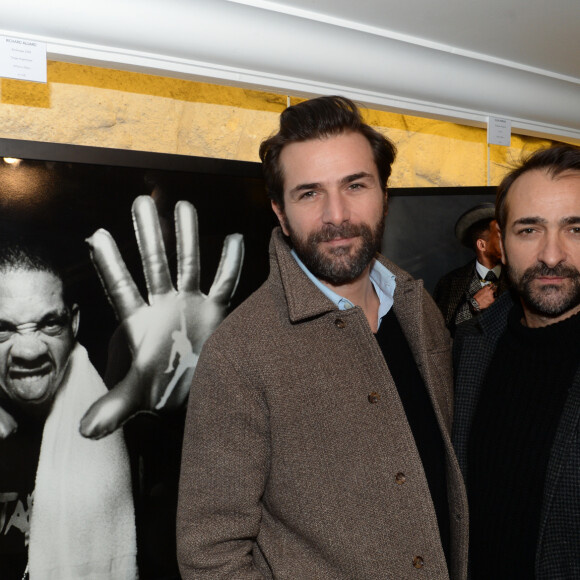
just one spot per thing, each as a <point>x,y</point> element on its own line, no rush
<point>343,264</point>
<point>549,300</point>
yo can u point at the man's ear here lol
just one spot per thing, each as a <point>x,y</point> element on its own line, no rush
<point>386,202</point>
<point>281,217</point>
<point>75,319</point>
<point>503,258</point>
<point>497,232</point>
<point>481,244</point>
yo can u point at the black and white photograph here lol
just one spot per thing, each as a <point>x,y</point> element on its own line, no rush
<point>113,276</point>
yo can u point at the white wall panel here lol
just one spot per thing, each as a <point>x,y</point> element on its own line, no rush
<point>222,41</point>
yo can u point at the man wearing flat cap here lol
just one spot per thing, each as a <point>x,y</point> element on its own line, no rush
<point>464,292</point>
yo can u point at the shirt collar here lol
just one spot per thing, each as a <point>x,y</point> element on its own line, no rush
<point>482,270</point>
<point>382,279</point>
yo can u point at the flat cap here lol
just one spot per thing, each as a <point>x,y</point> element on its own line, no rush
<point>482,211</point>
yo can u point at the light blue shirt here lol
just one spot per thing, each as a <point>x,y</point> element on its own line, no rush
<point>381,277</point>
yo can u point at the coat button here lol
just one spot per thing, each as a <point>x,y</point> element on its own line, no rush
<point>340,323</point>
<point>374,397</point>
<point>418,562</point>
<point>400,478</point>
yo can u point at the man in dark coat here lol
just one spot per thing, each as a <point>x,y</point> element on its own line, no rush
<point>517,372</point>
<point>466,291</point>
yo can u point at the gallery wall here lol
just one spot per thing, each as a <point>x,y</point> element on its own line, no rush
<point>93,106</point>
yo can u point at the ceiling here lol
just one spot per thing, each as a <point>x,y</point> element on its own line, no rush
<point>531,33</point>
<point>460,60</point>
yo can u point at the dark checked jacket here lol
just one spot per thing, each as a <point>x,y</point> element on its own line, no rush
<point>558,548</point>
<point>453,292</point>
<point>290,470</point>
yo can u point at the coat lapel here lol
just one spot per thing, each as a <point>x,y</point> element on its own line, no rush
<point>408,302</point>
<point>470,370</point>
<point>566,437</point>
<point>473,352</point>
<point>474,284</point>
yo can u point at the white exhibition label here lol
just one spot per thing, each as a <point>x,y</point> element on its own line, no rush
<point>22,59</point>
<point>499,131</point>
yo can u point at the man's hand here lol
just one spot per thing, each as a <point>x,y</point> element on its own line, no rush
<point>486,296</point>
<point>166,333</point>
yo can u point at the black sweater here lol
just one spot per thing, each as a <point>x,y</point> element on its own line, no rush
<point>512,433</point>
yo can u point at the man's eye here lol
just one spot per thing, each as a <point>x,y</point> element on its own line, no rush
<point>52,327</point>
<point>355,186</point>
<point>308,195</point>
<point>6,331</point>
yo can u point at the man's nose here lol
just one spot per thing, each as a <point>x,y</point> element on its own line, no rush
<point>336,209</point>
<point>28,346</point>
<point>553,250</point>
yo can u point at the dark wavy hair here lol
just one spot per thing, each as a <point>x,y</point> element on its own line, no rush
<point>477,231</point>
<point>316,119</point>
<point>553,160</point>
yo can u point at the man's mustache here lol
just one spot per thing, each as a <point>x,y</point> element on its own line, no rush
<point>541,270</point>
<point>331,232</point>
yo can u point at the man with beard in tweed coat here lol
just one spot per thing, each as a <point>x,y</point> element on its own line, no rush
<point>317,437</point>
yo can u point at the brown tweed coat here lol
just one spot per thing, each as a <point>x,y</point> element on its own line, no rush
<point>289,471</point>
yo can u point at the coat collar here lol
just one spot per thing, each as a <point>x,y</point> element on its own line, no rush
<point>304,299</point>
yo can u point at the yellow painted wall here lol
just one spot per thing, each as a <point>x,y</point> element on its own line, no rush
<point>84,105</point>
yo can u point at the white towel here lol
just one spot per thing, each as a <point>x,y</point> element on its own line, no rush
<point>83,523</point>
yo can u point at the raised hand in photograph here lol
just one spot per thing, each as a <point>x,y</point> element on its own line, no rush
<point>165,332</point>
